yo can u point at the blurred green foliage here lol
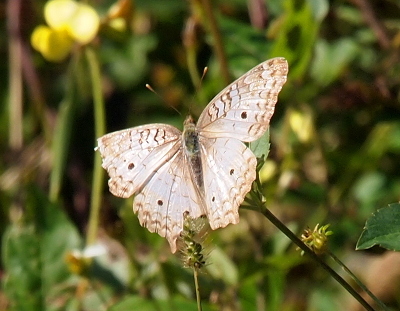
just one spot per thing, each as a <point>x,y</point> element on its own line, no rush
<point>334,155</point>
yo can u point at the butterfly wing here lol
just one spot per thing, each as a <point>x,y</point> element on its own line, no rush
<point>229,169</point>
<point>148,161</point>
<point>167,196</point>
<point>244,108</point>
<point>132,156</point>
<point>240,112</point>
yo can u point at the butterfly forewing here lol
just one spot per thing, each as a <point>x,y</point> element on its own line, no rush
<point>131,156</point>
<point>244,108</point>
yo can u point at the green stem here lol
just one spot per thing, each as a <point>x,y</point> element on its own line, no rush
<point>194,75</point>
<point>271,217</point>
<point>359,283</point>
<point>196,283</point>
<point>98,172</point>
<point>62,133</point>
<point>192,66</point>
<point>217,42</point>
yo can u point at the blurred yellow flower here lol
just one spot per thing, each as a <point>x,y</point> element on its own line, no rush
<point>301,124</point>
<point>268,170</point>
<point>53,45</point>
<point>119,24</point>
<point>80,20</point>
<point>68,22</point>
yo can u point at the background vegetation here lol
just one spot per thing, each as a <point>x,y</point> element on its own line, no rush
<point>335,146</point>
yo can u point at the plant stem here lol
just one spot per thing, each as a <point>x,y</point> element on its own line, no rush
<point>359,283</point>
<point>62,133</point>
<point>196,283</point>
<point>217,42</point>
<point>98,172</point>
<point>271,217</point>
<point>15,100</point>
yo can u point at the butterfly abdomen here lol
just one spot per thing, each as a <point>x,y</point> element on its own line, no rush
<point>192,151</point>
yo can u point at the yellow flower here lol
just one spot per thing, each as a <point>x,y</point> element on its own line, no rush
<point>301,124</point>
<point>80,20</point>
<point>68,22</point>
<point>54,45</point>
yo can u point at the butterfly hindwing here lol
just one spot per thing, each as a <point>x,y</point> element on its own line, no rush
<point>167,196</point>
<point>229,169</point>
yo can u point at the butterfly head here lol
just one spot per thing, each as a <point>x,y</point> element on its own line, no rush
<point>188,121</point>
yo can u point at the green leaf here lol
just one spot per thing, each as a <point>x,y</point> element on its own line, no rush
<point>261,146</point>
<point>134,303</point>
<point>383,229</point>
<point>139,303</point>
<point>34,255</point>
<point>127,66</point>
<point>295,35</point>
<point>320,9</point>
<point>222,267</point>
<point>245,45</point>
<point>332,58</point>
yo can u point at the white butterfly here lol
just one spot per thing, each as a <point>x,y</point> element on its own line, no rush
<point>206,170</point>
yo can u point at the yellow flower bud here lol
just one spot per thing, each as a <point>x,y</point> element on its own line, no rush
<point>316,239</point>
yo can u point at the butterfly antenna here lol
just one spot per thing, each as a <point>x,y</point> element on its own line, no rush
<point>149,87</point>
<point>205,70</point>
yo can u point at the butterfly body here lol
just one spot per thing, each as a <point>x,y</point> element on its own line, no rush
<point>204,170</point>
<point>191,148</point>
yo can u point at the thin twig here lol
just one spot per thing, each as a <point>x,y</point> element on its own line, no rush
<point>364,288</point>
<point>34,87</point>
<point>258,13</point>
<point>15,73</point>
<point>376,26</point>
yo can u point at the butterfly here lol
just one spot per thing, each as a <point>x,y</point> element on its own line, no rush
<point>204,170</point>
